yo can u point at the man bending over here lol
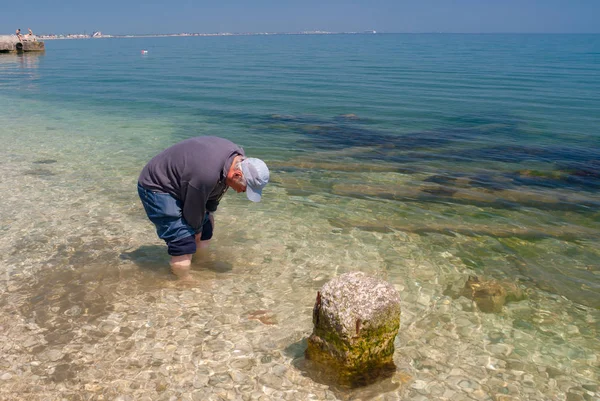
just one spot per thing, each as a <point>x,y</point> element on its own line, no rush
<point>181,187</point>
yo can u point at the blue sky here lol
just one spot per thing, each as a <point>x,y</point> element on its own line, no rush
<point>160,16</point>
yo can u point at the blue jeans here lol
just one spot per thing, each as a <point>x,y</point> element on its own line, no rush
<point>166,213</point>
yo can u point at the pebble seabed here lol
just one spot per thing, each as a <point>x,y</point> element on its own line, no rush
<point>89,310</point>
<point>106,333</point>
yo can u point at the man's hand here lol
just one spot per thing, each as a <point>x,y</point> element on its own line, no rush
<point>198,237</point>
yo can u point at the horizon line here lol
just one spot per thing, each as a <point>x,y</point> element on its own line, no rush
<point>321,32</point>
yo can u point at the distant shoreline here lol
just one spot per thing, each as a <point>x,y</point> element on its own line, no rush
<point>98,35</point>
<point>165,35</point>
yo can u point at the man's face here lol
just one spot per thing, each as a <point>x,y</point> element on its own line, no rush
<point>236,182</point>
<point>235,178</point>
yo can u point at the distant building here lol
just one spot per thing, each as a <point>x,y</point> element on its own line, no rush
<point>97,34</point>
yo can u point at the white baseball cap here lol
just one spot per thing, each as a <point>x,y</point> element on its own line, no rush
<point>256,174</point>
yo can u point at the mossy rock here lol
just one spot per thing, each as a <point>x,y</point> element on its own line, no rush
<point>356,319</point>
<point>491,295</point>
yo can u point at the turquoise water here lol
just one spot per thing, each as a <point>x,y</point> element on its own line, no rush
<point>421,159</point>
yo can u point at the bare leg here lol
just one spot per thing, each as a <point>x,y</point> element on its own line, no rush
<point>180,266</point>
<point>201,244</point>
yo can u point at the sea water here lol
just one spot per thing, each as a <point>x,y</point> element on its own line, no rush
<point>419,159</point>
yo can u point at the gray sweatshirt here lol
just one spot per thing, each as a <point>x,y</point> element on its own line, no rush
<point>194,172</point>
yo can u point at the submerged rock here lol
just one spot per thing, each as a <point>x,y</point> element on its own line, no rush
<point>356,319</point>
<point>491,295</point>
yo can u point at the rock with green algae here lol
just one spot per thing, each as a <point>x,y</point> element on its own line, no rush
<point>491,295</point>
<point>356,318</point>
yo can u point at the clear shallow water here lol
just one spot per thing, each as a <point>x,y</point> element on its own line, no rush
<point>421,159</point>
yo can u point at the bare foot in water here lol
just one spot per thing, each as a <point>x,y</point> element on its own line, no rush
<point>187,281</point>
<point>184,276</point>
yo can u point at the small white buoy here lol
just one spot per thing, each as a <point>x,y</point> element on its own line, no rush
<point>144,51</point>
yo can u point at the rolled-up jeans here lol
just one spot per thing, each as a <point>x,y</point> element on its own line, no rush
<point>166,213</point>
